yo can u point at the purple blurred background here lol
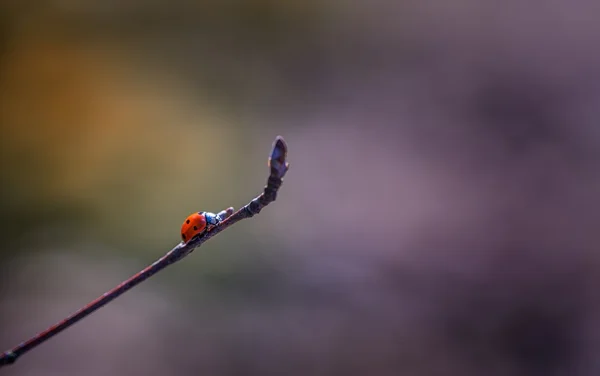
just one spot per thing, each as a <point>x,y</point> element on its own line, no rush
<point>439,217</point>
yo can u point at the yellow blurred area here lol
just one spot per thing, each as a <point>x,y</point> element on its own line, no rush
<point>85,125</point>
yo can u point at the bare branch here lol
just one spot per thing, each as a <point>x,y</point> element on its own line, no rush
<point>278,167</point>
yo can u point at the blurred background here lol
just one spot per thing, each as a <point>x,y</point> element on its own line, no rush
<point>439,217</point>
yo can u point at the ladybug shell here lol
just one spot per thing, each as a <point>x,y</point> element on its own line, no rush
<point>194,225</point>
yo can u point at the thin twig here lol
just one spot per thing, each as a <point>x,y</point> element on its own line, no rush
<point>278,168</point>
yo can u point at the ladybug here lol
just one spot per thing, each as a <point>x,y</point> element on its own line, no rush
<point>196,224</point>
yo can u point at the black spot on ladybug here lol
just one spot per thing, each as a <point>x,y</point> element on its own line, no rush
<point>188,221</point>
<point>183,236</point>
<point>195,228</point>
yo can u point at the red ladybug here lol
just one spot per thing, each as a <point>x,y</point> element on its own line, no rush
<point>198,223</point>
<point>194,225</point>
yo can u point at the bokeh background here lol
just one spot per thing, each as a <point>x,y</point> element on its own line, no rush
<point>440,216</point>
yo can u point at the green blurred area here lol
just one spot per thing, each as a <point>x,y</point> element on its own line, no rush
<point>114,126</point>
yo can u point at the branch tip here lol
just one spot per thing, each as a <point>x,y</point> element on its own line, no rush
<point>278,158</point>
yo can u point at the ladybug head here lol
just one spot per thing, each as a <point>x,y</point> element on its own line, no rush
<point>193,226</point>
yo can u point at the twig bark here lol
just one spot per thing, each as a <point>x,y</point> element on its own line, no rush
<point>278,168</point>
